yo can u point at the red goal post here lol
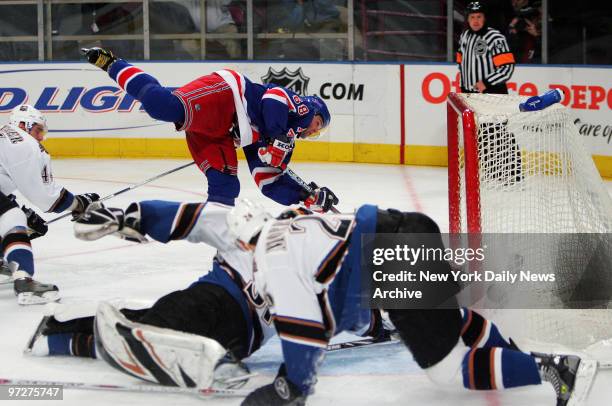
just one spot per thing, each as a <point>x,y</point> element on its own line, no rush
<point>462,155</point>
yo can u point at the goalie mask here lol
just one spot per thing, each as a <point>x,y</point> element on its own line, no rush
<point>245,221</point>
<point>34,121</point>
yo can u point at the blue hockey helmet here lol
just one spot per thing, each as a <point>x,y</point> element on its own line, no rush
<point>318,108</point>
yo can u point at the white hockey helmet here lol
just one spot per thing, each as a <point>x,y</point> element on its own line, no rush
<point>245,220</point>
<point>28,115</point>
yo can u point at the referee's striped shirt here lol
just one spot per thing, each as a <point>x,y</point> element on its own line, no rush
<point>484,55</point>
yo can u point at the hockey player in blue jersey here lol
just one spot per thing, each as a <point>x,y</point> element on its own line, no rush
<point>223,111</point>
<point>309,271</point>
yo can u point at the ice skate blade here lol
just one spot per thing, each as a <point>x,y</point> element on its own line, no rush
<point>29,298</point>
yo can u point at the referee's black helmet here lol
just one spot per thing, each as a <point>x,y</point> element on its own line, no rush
<point>474,7</point>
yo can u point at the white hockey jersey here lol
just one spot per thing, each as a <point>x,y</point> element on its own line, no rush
<point>297,259</point>
<point>25,165</point>
<point>308,268</point>
<point>232,267</point>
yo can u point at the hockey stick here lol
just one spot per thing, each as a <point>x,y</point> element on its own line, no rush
<point>127,189</point>
<point>305,185</point>
<point>361,343</point>
<point>208,392</point>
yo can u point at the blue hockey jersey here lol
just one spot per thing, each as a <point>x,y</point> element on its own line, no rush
<point>263,113</point>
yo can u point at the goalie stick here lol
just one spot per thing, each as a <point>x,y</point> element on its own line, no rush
<point>207,392</point>
<point>127,189</point>
<point>387,339</point>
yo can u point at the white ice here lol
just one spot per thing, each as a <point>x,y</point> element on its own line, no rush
<point>110,268</point>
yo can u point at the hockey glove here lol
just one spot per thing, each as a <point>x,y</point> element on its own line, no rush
<point>321,200</point>
<point>96,223</point>
<point>99,57</point>
<point>35,223</point>
<point>281,392</point>
<point>82,202</point>
<point>275,153</point>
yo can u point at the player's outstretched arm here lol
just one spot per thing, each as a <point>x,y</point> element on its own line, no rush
<point>163,221</point>
<point>157,100</point>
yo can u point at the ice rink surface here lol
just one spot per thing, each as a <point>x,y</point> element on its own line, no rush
<point>111,268</point>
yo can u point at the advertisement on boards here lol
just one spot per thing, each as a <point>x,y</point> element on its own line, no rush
<point>81,101</point>
<point>588,93</point>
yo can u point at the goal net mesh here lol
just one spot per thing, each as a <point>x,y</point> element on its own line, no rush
<point>534,175</point>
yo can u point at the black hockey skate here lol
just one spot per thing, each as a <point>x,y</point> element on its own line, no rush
<point>39,334</point>
<point>6,275</point>
<point>560,371</point>
<point>30,291</point>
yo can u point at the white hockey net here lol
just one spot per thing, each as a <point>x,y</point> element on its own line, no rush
<point>530,173</point>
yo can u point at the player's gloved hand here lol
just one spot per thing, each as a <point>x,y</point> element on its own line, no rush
<point>281,392</point>
<point>98,222</point>
<point>321,200</point>
<point>275,153</point>
<point>35,223</point>
<point>99,57</point>
<point>8,203</point>
<point>82,202</point>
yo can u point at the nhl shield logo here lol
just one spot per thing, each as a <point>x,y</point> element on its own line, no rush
<point>293,80</point>
<point>480,48</point>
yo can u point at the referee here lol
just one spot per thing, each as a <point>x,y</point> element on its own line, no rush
<point>484,58</point>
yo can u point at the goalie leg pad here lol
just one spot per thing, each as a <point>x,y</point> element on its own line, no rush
<point>155,354</point>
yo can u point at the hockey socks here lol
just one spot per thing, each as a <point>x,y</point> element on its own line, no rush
<point>158,101</point>
<point>498,368</point>
<point>17,248</point>
<point>75,344</point>
<point>222,187</point>
<point>478,332</point>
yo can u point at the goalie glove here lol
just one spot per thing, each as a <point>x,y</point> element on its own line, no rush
<point>97,223</point>
<point>281,392</point>
<point>99,57</point>
<point>82,202</point>
<point>321,199</point>
<point>35,223</point>
<point>275,153</point>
